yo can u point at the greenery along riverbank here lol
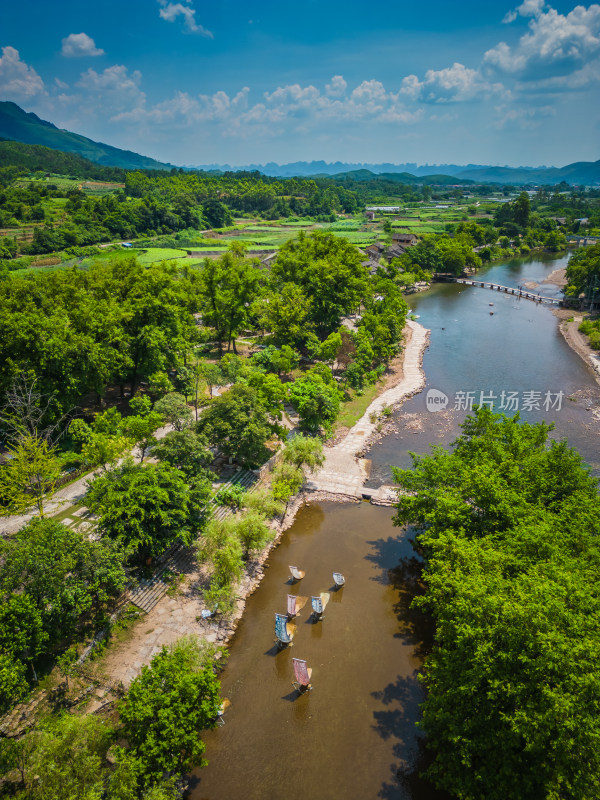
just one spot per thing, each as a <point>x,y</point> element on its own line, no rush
<point>508,523</point>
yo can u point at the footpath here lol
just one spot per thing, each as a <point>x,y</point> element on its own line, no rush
<point>343,472</point>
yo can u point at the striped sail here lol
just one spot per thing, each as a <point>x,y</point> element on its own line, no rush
<point>281,631</point>
<point>292,607</point>
<point>301,671</point>
<point>317,605</point>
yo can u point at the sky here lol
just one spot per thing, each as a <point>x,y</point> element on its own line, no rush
<point>227,82</point>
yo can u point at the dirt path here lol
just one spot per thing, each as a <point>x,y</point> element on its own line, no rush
<point>343,473</point>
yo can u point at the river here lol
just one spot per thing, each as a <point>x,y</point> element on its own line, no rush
<point>354,733</point>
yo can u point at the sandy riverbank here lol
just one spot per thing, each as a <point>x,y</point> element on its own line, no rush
<point>576,340</point>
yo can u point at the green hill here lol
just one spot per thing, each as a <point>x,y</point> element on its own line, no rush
<point>37,158</point>
<point>25,127</point>
<point>581,172</point>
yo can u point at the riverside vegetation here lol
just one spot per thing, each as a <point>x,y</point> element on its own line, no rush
<point>96,359</point>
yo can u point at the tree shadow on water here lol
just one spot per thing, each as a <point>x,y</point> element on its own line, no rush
<point>403,697</point>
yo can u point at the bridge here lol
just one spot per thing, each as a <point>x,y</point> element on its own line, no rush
<point>496,287</point>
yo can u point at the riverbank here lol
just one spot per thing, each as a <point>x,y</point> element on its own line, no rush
<point>569,327</point>
<point>180,614</point>
<point>344,471</point>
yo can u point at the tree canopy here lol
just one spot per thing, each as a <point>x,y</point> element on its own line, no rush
<point>507,523</point>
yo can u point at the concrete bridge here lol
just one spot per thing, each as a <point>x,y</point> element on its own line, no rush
<point>496,287</point>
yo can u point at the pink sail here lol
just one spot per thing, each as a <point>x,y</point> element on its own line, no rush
<point>291,605</point>
<point>301,671</point>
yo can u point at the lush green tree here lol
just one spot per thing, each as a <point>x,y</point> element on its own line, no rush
<point>583,271</point>
<point>147,508</point>
<point>236,423</point>
<point>521,210</point>
<point>174,411</point>
<point>65,759</point>
<point>185,450</point>
<point>304,451</point>
<point>286,480</point>
<point>22,633</point>
<point>285,313</point>
<point>13,681</point>
<point>212,375</point>
<point>329,271</point>
<point>66,574</point>
<point>29,476</point>
<point>252,531</point>
<point>507,523</point>
<point>270,390</point>
<point>166,709</point>
<point>316,401</point>
<point>140,428</point>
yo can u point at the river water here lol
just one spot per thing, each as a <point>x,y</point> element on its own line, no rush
<point>354,733</point>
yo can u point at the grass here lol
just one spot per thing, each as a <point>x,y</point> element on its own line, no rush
<point>352,410</point>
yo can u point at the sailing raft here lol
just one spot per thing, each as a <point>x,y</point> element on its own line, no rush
<point>295,605</point>
<point>297,574</point>
<point>319,604</point>
<point>338,579</point>
<point>303,674</point>
<point>284,630</point>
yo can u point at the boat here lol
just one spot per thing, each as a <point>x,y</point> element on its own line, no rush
<point>222,709</point>
<point>319,603</point>
<point>338,579</point>
<point>297,574</point>
<point>303,674</point>
<point>295,605</point>
<point>284,630</point>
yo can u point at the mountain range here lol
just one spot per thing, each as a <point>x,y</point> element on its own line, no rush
<point>29,128</point>
<point>21,126</point>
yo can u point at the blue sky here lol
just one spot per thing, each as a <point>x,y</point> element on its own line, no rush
<point>192,82</point>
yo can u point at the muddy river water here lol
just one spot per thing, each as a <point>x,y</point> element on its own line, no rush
<point>354,735</point>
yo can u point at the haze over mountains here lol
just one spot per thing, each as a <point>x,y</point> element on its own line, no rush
<point>21,126</point>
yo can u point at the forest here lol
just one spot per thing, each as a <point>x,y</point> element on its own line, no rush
<point>507,524</point>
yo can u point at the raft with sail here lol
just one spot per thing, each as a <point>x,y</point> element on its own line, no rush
<point>319,604</point>
<point>297,574</point>
<point>338,579</point>
<point>284,630</point>
<point>295,605</point>
<point>303,674</point>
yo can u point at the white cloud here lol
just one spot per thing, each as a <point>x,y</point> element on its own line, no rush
<point>555,44</point>
<point>337,87</point>
<point>114,91</point>
<point>80,44</point>
<point>18,81</point>
<point>509,17</point>
<point>452,84</point>
<point>170,12</point>
<point>527,118</point>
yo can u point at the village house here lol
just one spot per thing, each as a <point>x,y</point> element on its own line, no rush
<point>405,239</point>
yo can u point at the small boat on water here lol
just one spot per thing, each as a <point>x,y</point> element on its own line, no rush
<point>338,579</point>
<point>295,605</point>
<point>319,604</point>
<point>284,630</point>
<point>303,674</point>
<point>297,574</point>
<point>222,709</point>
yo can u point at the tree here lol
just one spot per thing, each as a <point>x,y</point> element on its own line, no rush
<point>252,530</point>
<point>507,524</point>
<point>30,475</point>
<point>64,574</point>
<point>304,451</point>
<point>146,509</point>
<point>174,411</point>
<point>521,209</point>
<point>316,401</point>
<point>285,313</point>
<point>184,450</point>
<point>329,271</point>
<point>141,427</point>
<point>166,709</point>
<point>13,681</point>
<point>236,423</point>
<point>212,375</point>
